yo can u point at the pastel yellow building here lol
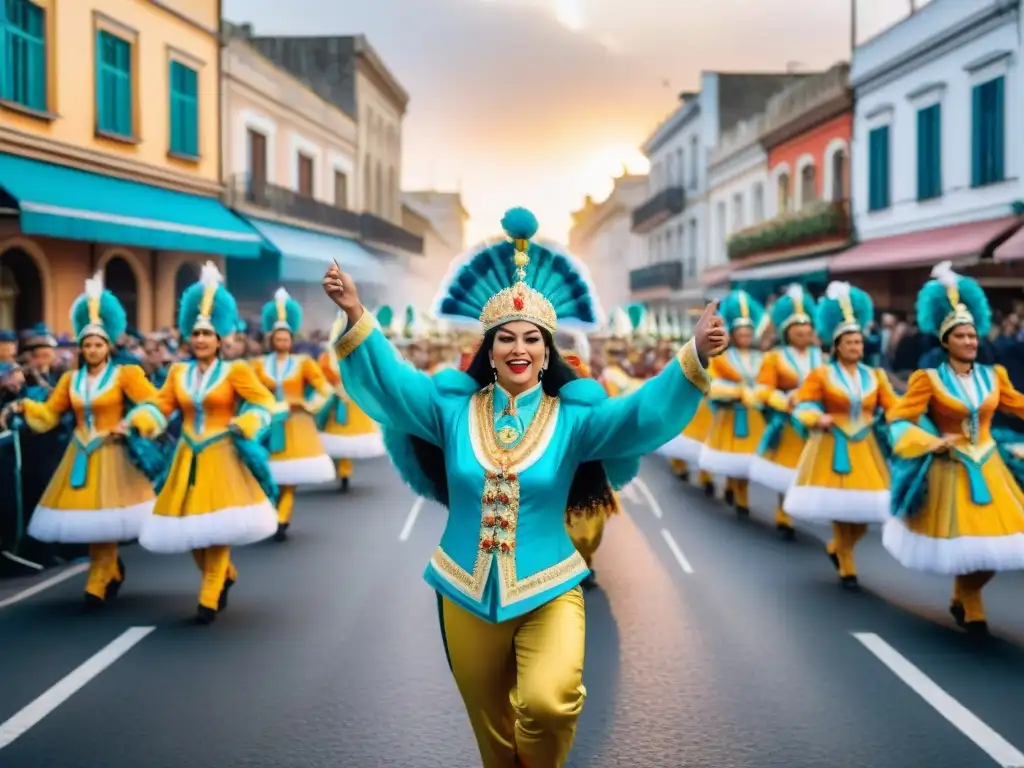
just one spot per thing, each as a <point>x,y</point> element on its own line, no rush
<point>110,155</point>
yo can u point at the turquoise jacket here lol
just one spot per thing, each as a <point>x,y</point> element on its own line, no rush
<point>505,550</point>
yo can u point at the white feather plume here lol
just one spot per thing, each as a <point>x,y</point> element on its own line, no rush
<point>943,272</point>
<point>621,325</point>
<point>94,286</point>
<point>795,291</point>
<point>838,290</point>
<point>281,295</point>
<point>209,275</point>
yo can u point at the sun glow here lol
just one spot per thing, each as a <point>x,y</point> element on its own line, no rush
<point>571,14</point>
<point>600,172</point>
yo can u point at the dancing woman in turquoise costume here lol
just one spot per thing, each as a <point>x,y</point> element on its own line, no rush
<point>503,446</point>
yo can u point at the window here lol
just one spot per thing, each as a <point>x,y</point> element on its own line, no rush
<point>840,176</point>
<point>758,203</point>
<point>340,190</point>
<point>257,161</point>
<point>929,152</point>
<point>367,183</point>
<point>721,225</point>
<point>737,212</point>
<point>668,246</point>
<point>694,152</point>
<point>305,185</point>
<point>782,192</point>
<point>378,187</point>
<point>988,133</point>
<point>113,85</point>
<point>681,165</point>
<point>392,194</point>
<point>808,184</point>
<point>23,54</point>
<point>691,255</point>
<point>184,110</point>
<point>878,169</point>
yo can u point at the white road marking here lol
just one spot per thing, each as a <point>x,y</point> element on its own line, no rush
<point>631,494</point>
<point>53,581</point>
<point>651,501</point>
<point>998,748</point>
<point>410,521</point>
<point>676,551</point>
<point>30,716</point>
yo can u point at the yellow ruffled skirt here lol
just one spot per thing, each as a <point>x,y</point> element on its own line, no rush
<point>724,453</point>
<point>357,436</point>
<point>776,468</point>
<point>110,507</point>
<point>687,445</point>
<point>303,460</point>
<point>821,493</point>
<point>214,501</point>
<point>952,534</point>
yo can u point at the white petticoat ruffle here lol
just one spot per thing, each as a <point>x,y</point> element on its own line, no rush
<point>964,554</point>
<point>89,526</point>
<point>841,505</point>
<point>682,448</point>
<point>773,476</point>
<point>367,446</point>
<point>725,463</point>
<point>231,526</point>
<point>311,471</point>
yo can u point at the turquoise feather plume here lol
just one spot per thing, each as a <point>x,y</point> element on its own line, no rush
<point>933,301</point>
<point>785,306</point>
<point>112,315</point>
<point>731,309</point>
<point>292,312</point>
<point>637,312</point>
<point>223,314</point>
<point>491,268</point>
<point>829,314</point>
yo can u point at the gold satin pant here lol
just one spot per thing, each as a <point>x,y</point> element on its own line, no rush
<point>216,566</point>
<point>967,591</point>
<point>344,468</point>
<point>586,532</point>
<point>285,504</point>
<point>103,569</point>
<point>521,680</point>
<point>844,538</point>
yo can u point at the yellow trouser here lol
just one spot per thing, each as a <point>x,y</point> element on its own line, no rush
<point>521,680</point>
<point>216,566</point>
<point>844,538</point>
<point>781,518</point>
<point>285,504</point>
<point>586,532</point>
<point>103,569</point>
<point>344,467</point>
<point>679,467</point>
<point>706,478</point>
<point>740,491</point>
<point>967,591</point>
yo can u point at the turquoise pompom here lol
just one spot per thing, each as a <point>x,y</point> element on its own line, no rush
<point>519,224</point>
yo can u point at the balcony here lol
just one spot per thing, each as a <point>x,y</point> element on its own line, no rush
<point>667,274</point>
<point>816,226</point>
<point>659,209</point>
<point>807,103</point>
<point>290,204</point>
<point>374,229</point>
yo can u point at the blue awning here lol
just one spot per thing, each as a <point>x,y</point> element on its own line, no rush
<point>306,254</point>
<point>57,201</point>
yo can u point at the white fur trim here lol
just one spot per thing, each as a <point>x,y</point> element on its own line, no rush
<point>964,554</point>
<point>231,526</point>
<point>683,448</point>
<point>88,526</point>
<point>311,471</point>
<point>841,505</point>
<point>368,446</point>
<point>725,463</point>
<point>772,476</point>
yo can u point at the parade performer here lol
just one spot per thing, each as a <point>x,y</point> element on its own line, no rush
<point>842,474</point>
<point>100,493</point>
<point>215,493</point>
<point>508,447</point>
<point>737,423</point>
<point>585,524</point>
<point>614,378</point>
<point>783,371</point>
<point>957,508</point>
<point>347,434</point>
<point>297,455</point>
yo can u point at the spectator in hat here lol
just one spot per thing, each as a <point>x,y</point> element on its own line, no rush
<point>8,346</point>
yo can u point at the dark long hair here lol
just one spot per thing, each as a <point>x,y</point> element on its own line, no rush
<point>590,487</point>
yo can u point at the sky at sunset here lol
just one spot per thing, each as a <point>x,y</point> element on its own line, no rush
<point>540,102</point>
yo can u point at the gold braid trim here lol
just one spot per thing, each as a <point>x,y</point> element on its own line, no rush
<point>692,369</point>
<point>354,336</point>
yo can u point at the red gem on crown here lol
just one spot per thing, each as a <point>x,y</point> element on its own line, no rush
<point>517,302</point>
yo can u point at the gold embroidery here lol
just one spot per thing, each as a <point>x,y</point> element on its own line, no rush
<point>508,435</point>
<point>512,590</point>
<point>355,335</point>
<point>692,369</point>
<point>499,456</point>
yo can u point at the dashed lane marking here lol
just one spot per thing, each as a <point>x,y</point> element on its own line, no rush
<point>631,494</point>
<point>42,586</point>
<point>649,497</point>
<point>410,521</point>
<point>677,553</point>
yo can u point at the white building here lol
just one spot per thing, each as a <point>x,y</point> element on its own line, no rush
<point>602,238</point>
<point>936,163</point>
<point>440,219</point>
<point>675,217</point>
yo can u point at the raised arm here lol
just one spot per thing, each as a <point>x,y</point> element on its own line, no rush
<point>1010,400</point>
<point>644,420</point>
<point>388,389</point>
<point>909,440</point>
<point>44,416</point>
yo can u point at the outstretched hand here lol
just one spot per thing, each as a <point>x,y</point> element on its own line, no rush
<point>710,336</point>
<point>341,289</point>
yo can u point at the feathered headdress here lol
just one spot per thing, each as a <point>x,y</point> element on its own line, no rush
<point>207,305</point>
<point>494,287</point>
<point>949,300</point>
<point>843,309</point>
<point>794,307</point>
<point>283,313</point>
<point>97,312</point>
<point>741,310</point>
<point>410,327</point>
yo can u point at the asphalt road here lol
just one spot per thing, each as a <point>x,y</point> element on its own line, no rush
<point>710,644</point>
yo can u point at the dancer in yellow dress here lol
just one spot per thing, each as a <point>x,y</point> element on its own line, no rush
<point>346,432</point>
<point>297,455</point>
<point>215,494</point>
<point>737,422</point>
<point>100,493</point>
<point>783,371</point>
<point>957,508</point>
<point>842,475</point>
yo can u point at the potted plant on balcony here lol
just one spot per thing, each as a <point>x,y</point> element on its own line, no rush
<point>814,222</point>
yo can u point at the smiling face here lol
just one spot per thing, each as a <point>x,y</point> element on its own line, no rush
<point>850,347</point>
<point>94,350</point>
<point>204,344</point>
<point>800,335</point>
<point>743,337</point>
<point>518,355</point>
<point>962,343</point>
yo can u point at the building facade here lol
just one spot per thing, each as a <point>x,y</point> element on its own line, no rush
<point>110,156</point>
<point>675,219</point>
<point>440,219</point>
<point>804,134</point>
<point>935,170</point>
<point>602,238</point>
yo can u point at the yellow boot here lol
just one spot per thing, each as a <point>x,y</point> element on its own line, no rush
<point>106,575</point>
<point>344,469</point>
<point>285,504</point>
<point>967,607</point>
<point>679,468</point>
<point>216,565</point>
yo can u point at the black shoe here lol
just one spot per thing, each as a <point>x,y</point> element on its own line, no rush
<point>282,532</point>
<point>709,490</point>
<point>849,583</point>
<point>834,558</point>
<point>742,512</point>
<point>222,603</point>
<point>344,485</point>
<point>977,630</point>
<point>730,497</point>
<point>114,585</point>
<point>205,615</point>
<point>956,610</point>
<point>93,603</point>
<point>786,532</point>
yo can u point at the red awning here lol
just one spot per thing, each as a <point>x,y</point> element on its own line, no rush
<point>1012,249</point>
<point>919,249</point>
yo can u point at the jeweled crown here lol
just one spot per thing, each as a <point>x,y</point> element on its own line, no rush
<point>519,301</point>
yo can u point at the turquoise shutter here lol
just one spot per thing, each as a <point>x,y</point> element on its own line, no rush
<point>884,181</point>
<point>101,97</point>
<point>976,136</point>
<point>175,108</point>
<point>192,112</point>
<point>922,154</point>
<point>937,150</point>
<point>124,101</point>
<point>998,133</point>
